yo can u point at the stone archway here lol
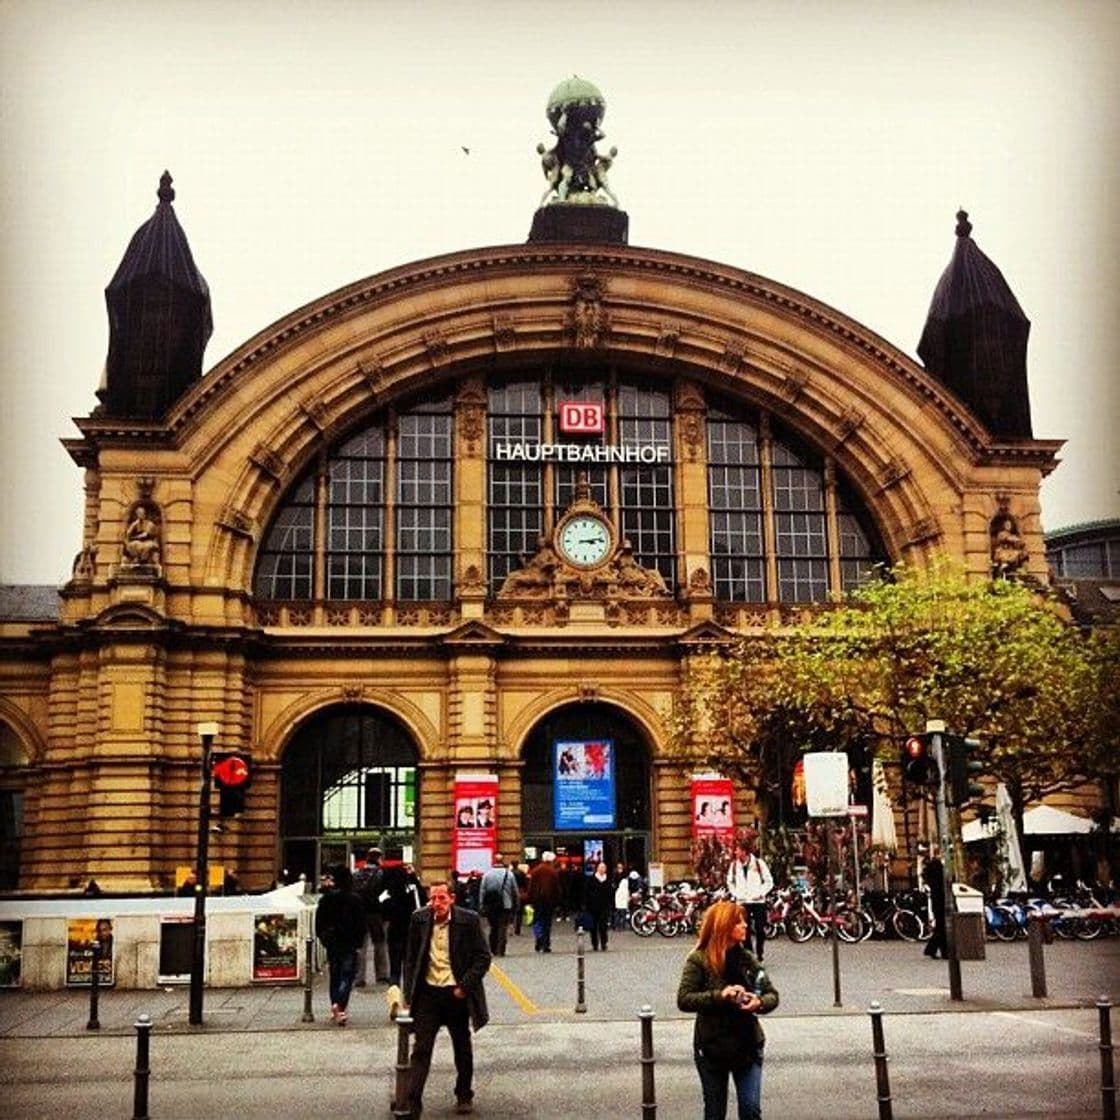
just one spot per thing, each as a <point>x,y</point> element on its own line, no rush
<point>349,778</point>
<point>619,785</point>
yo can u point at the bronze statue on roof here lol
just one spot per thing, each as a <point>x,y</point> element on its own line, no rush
<point>575,170</point>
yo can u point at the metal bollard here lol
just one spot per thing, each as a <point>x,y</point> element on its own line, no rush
<point>882,1077</point>
<point>94,1023</point>
<point>581,1001</point>
<point>308,1015</point>
<point>1108,1078</point>
<point>401,1106</point>
<point>649,1096</point>
<point>1035,936</point>
<point>143,1070</point>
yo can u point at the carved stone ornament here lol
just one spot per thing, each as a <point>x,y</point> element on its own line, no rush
<point>699,583</point>
<point>85,563</point>
<point>690,419</point>
<point>143,535</point>
<point>373,372</point>
<point>470,414</point>
<point>587,321</point>
<point>267,461</point>
<point>352,693</point>
<point>547,575</point>
<point>851,419</point>
<point>472,584</point>
<point>436,347</point>
<point>505,335</point>
<point>316,412</point>
<point>1009,553</point>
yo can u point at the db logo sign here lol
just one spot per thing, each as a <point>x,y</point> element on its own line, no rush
<point>578,417</point>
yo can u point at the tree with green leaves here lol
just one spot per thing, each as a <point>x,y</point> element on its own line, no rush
<point>995,660</point>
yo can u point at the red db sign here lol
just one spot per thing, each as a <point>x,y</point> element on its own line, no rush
<point>581,418</point>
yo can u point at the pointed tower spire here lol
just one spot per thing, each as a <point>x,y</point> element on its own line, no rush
<point>975,338</point>
<point>159,318</point>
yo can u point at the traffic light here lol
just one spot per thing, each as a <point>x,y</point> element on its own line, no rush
<point>232,776</point>
<point>962,788</point>
<point>919,767</point>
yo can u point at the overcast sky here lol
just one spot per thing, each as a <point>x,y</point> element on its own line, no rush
<point>823,145</point>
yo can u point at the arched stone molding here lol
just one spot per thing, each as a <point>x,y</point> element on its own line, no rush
<point>274,739</point>
<point>543,705</point>
<point>25,730</point>
<point>252,423</point>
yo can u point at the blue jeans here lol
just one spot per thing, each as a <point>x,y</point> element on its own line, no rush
<point>343,969</point>
<point>748,1088</point>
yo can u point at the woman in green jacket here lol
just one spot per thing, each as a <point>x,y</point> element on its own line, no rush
<point>728,989</point>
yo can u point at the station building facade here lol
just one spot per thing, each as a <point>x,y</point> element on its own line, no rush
<point>443,518</point>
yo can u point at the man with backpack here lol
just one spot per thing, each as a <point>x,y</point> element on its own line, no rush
<point>368,886</point>
<point>498,895</point>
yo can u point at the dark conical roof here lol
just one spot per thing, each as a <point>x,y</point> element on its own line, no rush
<point>159,317</point>
<point>975,338</point>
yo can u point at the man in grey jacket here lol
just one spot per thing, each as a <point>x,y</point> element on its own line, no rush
<point>445,959</point>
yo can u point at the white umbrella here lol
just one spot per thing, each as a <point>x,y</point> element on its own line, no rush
<point>1010,853</point>
<point>883,833</point>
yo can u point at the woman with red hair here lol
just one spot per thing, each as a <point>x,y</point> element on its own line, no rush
<point>727,988</point>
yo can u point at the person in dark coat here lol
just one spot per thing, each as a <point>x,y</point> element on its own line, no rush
<point>401,894</point>
<point>340,924</point>
<point>598,901</point>
<point>544,894</point>
<point>445,959</point>
<point>934,875</point>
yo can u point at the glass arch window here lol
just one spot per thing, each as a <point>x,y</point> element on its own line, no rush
<point>372,518</point>
<point>349,772</point>
<point>767,485</point>
<point>526,496</point>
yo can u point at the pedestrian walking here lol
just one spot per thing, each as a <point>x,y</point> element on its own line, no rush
<point>544,895</point>
<point>368,885</point>
<point>445,961</point>
<point>598,903</point>
<point>498,894</point>
<point>401,895</point>
<point>934,875</point>
<point>340,924</point>
<point>726,987</point>
<point>749,881</point>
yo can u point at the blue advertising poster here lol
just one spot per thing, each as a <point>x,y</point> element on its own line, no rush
<point>583,784</point>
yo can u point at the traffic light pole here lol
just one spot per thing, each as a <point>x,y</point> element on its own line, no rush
<point>207,733</point>
<point>948,854</point>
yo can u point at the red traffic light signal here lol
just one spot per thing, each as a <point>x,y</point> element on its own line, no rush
<point>232,775</point>
<point>918,764</point>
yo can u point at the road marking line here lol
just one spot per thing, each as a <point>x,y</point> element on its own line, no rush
<point>1047,1026</point>
<point>513,991</point>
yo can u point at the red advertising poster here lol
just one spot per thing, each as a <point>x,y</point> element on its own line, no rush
<point>713,806</point>
<point>474,833</point>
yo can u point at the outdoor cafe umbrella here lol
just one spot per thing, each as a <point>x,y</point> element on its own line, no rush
<point>883,834</point>
<point>1010,852</point>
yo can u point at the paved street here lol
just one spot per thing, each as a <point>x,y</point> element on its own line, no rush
<point>999,1053</point>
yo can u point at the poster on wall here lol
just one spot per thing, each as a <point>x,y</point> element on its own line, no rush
<point>583,784</point>
<point>81,936</point>
<point>475,832</point>
<point>713,807</point>
<point>275,947</point>
<point>11,953</point>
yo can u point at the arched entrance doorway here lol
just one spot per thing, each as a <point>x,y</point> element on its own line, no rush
<point>586,786</point>
<point>348,780</point>
<point>13,781</point>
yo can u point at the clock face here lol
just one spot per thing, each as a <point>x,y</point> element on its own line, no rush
<point>585,541</point>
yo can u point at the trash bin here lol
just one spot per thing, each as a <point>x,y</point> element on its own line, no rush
<point>968,923</point>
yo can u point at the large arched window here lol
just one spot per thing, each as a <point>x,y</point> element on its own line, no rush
<point>765,485</point>
<point>372,519</point>
<point>349,777</point>
<point>526,495</point>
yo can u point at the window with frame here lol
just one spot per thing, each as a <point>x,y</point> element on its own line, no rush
<point>800,535</point>
<point>735,507</point>
<point>351,560</point>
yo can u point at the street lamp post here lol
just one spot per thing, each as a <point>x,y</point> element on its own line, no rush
<point>207,733</point>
